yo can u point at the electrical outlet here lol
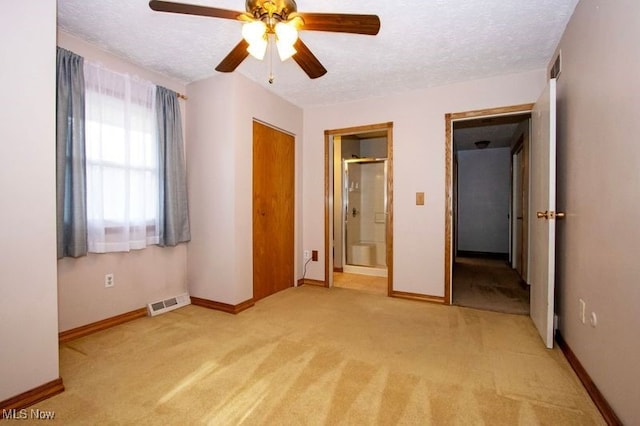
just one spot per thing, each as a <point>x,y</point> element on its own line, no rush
<point>314,255</point>
<point>109,280</point>
<point>582,308</point>
<point>307,255</point>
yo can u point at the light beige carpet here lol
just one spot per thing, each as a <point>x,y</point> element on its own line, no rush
<point>317,356</point>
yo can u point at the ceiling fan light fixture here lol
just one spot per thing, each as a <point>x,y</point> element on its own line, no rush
<point>260,20</point>
<point>286,33</point>
<point>285,50</point>
<point>258,48</point>
<point>255,34</point>
<point>254,31</point>
<point>286,37</point>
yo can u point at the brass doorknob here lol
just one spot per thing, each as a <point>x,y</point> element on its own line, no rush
<point>544,214</point>
<point>550,215</point>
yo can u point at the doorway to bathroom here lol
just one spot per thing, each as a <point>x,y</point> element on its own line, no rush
<point>358,208</point>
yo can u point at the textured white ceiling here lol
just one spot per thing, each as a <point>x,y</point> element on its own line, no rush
<point>499,131</point>
<point>421,43</point>
<point>499,136</point>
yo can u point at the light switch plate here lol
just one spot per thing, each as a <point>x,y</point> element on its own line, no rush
<point>419,198</point>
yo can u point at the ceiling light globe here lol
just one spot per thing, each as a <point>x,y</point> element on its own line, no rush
<point>253,32</point>
<point>286,33</point>
<point>257,49</point>
<point>285,50</point>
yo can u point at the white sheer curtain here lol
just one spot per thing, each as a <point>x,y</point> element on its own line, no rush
<point>122,161</point>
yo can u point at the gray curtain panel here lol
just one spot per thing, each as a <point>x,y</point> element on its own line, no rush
<point>71,184</point>
<point>174,209</point>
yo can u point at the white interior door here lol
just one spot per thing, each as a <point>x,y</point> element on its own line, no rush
<point>542,212</point>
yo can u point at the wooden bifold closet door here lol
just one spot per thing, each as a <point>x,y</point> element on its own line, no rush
<point>273,210</point>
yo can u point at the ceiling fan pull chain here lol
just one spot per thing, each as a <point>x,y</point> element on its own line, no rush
<point>271,78</point>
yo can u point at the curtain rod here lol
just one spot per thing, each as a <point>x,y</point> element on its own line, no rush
<point>181,96</point>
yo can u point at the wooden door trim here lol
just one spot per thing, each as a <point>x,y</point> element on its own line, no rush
<point>328,134</point>
<point>280,129</point>
<point>518,148</point>
<point>526,186</point>
<point>449,118</point>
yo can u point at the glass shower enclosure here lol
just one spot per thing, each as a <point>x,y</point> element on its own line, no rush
<point>365,219</point>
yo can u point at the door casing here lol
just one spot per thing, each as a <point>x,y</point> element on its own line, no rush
<point>449,169</point>
<point>520,224</point>
<point>328,197</point>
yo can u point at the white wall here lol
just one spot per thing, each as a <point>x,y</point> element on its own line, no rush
<point>211,179</point>
<point>141,276</point>
<point>28,298</point>
<point>221,110</point>
<point>419,166</point>
<point>598,188</point>
<point>483,200</point>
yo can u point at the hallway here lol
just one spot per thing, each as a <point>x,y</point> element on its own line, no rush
<point>489,284</point>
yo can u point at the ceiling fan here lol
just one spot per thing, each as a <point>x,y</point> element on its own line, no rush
<point>276,20</point>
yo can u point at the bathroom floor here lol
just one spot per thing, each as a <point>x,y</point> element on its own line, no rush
<point>365,283</point>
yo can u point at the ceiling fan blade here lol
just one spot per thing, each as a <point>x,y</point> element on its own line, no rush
<point>234,58</point>
<point>307,61</point>
<point>341,23</point>
<point>192,9</point>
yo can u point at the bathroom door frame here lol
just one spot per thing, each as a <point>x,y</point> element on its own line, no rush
<point>329,196</point>
<point>345,198</point>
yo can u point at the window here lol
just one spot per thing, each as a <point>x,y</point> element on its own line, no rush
<point>122,161</point>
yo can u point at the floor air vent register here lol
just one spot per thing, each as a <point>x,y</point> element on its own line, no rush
<point>162,306</point>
